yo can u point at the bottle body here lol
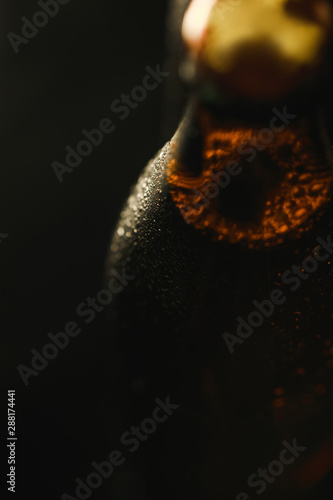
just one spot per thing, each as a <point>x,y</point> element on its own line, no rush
<point>241,338</point>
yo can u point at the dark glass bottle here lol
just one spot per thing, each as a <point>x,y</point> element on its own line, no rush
<point>229,233</point>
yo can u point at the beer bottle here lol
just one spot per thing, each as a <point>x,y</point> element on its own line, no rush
<point>229,234</point>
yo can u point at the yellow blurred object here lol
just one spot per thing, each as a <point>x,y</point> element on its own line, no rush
<point>291,41</point>
<point>261,49</point>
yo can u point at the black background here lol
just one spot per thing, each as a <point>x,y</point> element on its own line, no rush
<point>61,82</point>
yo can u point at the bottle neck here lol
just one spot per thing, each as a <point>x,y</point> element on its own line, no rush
<point>250,180</point>
<point>203,119</point>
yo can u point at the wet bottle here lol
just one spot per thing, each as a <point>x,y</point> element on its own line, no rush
<point>229,234</point>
